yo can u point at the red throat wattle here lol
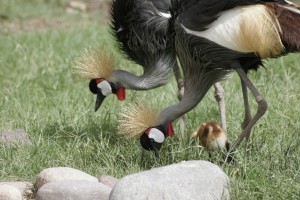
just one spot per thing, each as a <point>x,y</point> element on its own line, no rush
<point>121,95</point>
<point>148,131</point>
<point>170,130</point>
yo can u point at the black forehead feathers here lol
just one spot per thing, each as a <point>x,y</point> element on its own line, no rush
<point>145,142</point>
<point>93,86</point>
<point>113,88</point>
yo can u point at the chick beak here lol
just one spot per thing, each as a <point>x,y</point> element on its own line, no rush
<point>99,100</point>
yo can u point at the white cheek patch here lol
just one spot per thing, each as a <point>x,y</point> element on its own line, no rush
<point>105,88</point>
<point>156,135</point>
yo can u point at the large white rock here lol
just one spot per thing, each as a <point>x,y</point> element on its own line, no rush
<point>60,174</point>
<point>9,192</point>
<point>25,188</point>
<point>73,190</point>
<point>193,180</point>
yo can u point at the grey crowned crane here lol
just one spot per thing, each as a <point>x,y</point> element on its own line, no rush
<point>213,38</point>
<point>140,28</point>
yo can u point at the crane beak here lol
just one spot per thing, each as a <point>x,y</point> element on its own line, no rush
<point>155,145</point>
<point>99,100</point>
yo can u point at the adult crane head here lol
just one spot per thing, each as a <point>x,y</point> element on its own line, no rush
<point>152,138</point>
<point>103,88</point>
<point>97,66</point>
<point>139,122</point>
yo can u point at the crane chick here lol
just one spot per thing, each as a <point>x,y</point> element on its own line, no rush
<point>211,136</point>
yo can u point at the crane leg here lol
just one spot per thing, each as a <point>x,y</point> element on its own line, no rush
<point>180,85</point>
<point>261,109</point>
<point>219,96</point>
<point>248,115</point>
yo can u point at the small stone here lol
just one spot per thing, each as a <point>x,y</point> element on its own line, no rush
<point>8,192</point>
<point>73,190</point>
<point>11,137</point>
<point>60,174</point>
<point>25,188</point>
<point>78,5</point>
<point>109,181</point>
<point>197,180</point>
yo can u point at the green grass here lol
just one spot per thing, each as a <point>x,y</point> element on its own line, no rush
<point>40,95</point>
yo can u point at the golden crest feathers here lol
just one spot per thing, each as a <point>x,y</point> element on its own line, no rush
<point>135,119</point>
<point>92,64</point>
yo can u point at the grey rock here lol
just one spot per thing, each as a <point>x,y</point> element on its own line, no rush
<point>9,192</point>
<point>14,137</point>
<point>25,188</point>
<point>60,174</point>
<point>108,180</point>
<point>73,190</point>
<point>192,180</point>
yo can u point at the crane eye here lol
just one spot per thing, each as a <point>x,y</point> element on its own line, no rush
<point>105,87</point>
